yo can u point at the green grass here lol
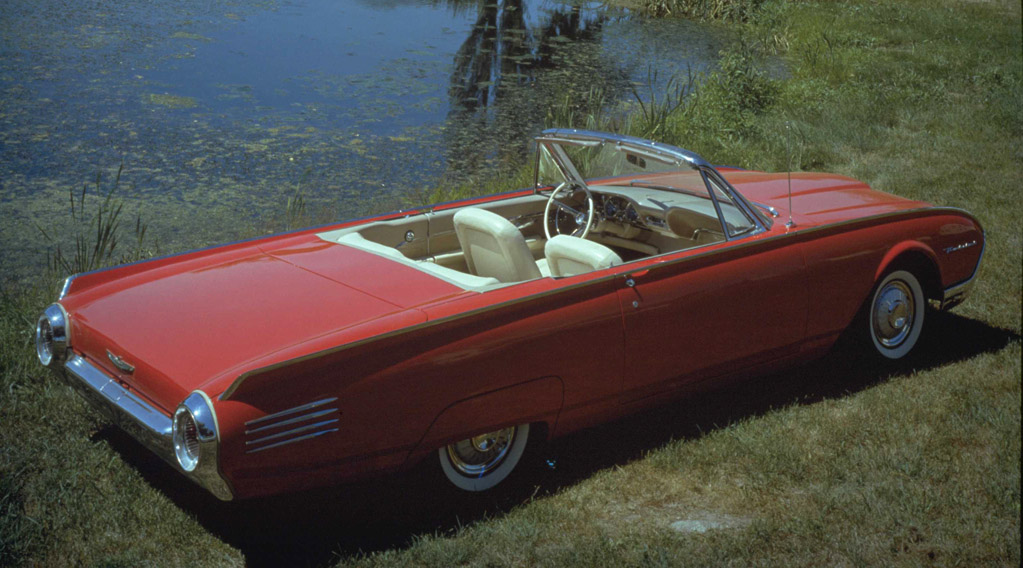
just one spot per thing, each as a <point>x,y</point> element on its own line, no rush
<point>66,498</point>
<point>834,463</point>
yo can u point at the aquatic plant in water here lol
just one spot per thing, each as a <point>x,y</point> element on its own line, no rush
<point>727,10</point>
<point>679,100</point>
<point>95,235</point>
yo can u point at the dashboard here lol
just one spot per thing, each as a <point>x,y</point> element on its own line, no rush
<point>618,210</point>
<point>615,208</point>
<point>636,217</point>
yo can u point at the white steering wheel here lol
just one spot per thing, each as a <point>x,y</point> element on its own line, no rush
<point>583,220</point>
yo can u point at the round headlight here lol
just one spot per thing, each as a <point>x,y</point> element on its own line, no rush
<point>51,336</point>
<point>186,439</point>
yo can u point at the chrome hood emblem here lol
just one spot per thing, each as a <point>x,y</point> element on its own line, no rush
<point>120,363</point>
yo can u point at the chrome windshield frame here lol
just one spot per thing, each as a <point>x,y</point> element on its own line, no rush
<point>663,152</point>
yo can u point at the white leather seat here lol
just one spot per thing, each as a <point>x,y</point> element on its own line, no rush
<point>494,247</point>
<point>568,256</point>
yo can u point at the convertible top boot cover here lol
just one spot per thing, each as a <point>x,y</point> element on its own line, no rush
<point>494,247</point>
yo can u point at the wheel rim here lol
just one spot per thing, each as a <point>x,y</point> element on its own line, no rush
<point>893,314</point>
<point>478,456</point>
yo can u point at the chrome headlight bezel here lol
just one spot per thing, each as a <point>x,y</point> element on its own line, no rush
<point>52,338</point>
<point>185,435</point>
<point>196,441</point>
<point>193,430</point>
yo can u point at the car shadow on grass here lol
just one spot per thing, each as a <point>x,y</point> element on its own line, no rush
<point>320,527</point>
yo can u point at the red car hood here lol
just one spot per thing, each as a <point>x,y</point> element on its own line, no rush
<point>184,324</point>
<point>817,199</point>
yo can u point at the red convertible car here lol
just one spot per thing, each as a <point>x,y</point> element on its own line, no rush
<point>459,332</point>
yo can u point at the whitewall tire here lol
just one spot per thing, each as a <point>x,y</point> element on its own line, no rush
<point>481,462</point>
<point>895,315</point>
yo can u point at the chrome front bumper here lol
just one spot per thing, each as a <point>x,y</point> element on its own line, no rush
<point>954,295</point>
<point>135,416</point>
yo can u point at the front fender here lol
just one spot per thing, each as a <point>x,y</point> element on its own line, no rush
<point>901,248</point>
<point>538,400</point>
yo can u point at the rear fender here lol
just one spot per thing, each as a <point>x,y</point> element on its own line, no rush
<point>538,400</point>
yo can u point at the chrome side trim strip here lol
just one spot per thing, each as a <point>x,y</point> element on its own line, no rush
<point>311,414</point>
<point>66,287</point>
<point>293,431</point>
<point>276,415</point>
<point>622,269</point>
<point>295,420</point>
<point>291,441</point>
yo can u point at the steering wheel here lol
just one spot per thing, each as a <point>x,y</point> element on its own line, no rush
<point>583,219</point>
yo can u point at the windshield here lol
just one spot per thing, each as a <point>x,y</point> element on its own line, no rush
<point>602,162</point>
<point>663,176</point>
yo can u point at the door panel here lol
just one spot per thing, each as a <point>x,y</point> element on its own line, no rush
<point>713,313</point>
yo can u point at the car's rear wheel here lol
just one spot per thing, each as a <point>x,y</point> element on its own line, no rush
<point>481,462</point>
<point>895,315</point>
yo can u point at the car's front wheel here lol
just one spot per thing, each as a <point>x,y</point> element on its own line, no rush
<point>896,314</point>
<point>481,462</point>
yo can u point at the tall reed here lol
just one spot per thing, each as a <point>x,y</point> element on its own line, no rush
<point>295,216</point>
<point>727,10</point>
<point>678,102</point>
<point>590,111</point>
<point>95,236</point>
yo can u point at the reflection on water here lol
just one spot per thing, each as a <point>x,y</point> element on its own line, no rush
<point>220,110</point>
<point>502,52</point>
<point>518,60</point>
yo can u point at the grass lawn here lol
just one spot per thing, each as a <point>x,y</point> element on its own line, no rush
<point>834,463</point>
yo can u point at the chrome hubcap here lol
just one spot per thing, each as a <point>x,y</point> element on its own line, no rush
<point>893,314</point>
<point>480,455</point>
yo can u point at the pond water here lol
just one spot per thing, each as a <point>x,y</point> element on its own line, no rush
<point>220,111</point>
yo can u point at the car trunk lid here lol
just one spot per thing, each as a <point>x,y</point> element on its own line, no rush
<point>205,320</point>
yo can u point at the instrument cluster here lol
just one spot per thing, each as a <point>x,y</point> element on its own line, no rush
<point>614,208</point>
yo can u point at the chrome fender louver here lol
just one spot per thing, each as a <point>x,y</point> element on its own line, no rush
<point>292,425</point>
